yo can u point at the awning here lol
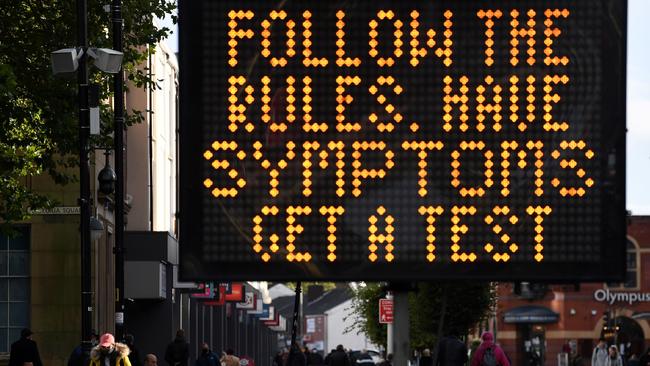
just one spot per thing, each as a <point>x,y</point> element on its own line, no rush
<point>531,314</point>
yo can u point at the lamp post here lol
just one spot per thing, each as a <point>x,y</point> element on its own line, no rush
<point>69,60</point>
<point>118,135</point>
<point>84,179</point>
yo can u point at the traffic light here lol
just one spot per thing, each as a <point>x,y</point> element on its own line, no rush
<point>605,320</point>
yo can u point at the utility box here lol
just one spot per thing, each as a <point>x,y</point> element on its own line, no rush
<point>145,280</point>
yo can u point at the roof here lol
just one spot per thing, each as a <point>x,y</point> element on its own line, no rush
<point>327,301</point>
<point>330,299</point>
<point>280,290</point>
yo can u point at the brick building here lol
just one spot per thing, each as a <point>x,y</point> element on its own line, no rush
<point>545,319</point>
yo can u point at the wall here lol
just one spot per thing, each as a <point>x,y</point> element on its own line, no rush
<point>55,298</point>
<point>163,124</point>
<point>338,320</point>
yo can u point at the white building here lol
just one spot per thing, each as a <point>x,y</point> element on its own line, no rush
<point>341,330</point>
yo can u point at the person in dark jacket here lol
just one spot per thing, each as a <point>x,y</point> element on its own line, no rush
<point>134,356</point>
<point>339,357</point>
<point>645,358</point>
<point>178,351</point>
<point>77,356</point>
<point>278,360</point>
<point>24,350</point>
<point>451,351</point>
<point>327,358</point>
<point>314,358</point>
<point>207,357</point>
<point>296,356</point>
<point>426,359</point>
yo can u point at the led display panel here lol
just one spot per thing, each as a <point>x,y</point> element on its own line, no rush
<point>402,140</point>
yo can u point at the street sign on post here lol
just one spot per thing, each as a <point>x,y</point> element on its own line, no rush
<point>410,140</point>
<point>385,311</point>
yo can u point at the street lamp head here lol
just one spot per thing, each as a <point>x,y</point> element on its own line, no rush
<point>65,60</point>
<point>106,59</point>
<point>107,178</point>
<point>96,228</point>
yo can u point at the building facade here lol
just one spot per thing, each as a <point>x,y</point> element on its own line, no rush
<point>544,321</point>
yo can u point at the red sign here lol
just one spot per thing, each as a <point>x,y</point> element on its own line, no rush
<point>385,311</point>
<point>235,292</point>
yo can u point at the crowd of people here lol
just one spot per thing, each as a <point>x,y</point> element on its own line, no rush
<point>106,351</point>
<point>450,351</point>
<point>604,355</point>
<point>303,356</point>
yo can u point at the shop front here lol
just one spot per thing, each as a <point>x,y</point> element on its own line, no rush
<point>552,324</point>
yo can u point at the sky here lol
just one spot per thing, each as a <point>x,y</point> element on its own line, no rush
<point>638,104</point>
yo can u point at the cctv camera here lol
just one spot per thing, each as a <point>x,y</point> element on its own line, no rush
<point>65,60</point>
<point>106,59</point>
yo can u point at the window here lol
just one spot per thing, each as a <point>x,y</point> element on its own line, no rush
<point>14,286</point>
<point>632,270</point>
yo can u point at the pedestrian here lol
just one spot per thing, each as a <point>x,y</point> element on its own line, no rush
<point>178,351</point>
<point>364,359</point>
<point>134,356</point>
<point>614,358</point>
<point>277,360</point>
<point>109,353</point>
<point>150,360</point>
<point>645,358</point>
<point>489,353</point>
<point>77,356</point>
<point>24,352</point>
<point>296,356</point>
<point>339,357</point>
<point>426,359</point>
<point>388,361</point>
<point>229,359</point>
<point>329,355</point>
<point>575,359</point>
<point>315,359</point>
<point>600,354</point>
<point>451,351</point>
<point>207,357</point>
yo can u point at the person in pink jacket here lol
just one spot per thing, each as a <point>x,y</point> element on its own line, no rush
<point>498,356</point>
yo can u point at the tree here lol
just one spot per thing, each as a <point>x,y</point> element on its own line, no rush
<point>38,112</point>
<point>434,309</point>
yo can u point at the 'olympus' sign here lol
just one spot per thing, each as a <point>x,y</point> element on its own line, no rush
<point>604,295</point>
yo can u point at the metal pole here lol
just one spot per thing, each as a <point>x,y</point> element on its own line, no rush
<point>295,323</point>
<point>118,135</point>
<point>401,327</point>
<point>84,180</point>
<point>389,331</point>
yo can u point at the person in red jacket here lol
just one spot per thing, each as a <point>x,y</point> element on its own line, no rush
<point>488,346</point>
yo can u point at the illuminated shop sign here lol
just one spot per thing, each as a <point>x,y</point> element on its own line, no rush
<point>381,140</point>
<point>612,297</point>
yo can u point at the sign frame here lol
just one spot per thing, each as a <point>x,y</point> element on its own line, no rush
<point>613,235</point>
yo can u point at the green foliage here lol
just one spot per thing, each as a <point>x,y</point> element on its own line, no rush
<point>458,305</point>
<point>38,112</point>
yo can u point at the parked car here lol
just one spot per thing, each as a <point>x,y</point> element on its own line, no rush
<point>375,355</point>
